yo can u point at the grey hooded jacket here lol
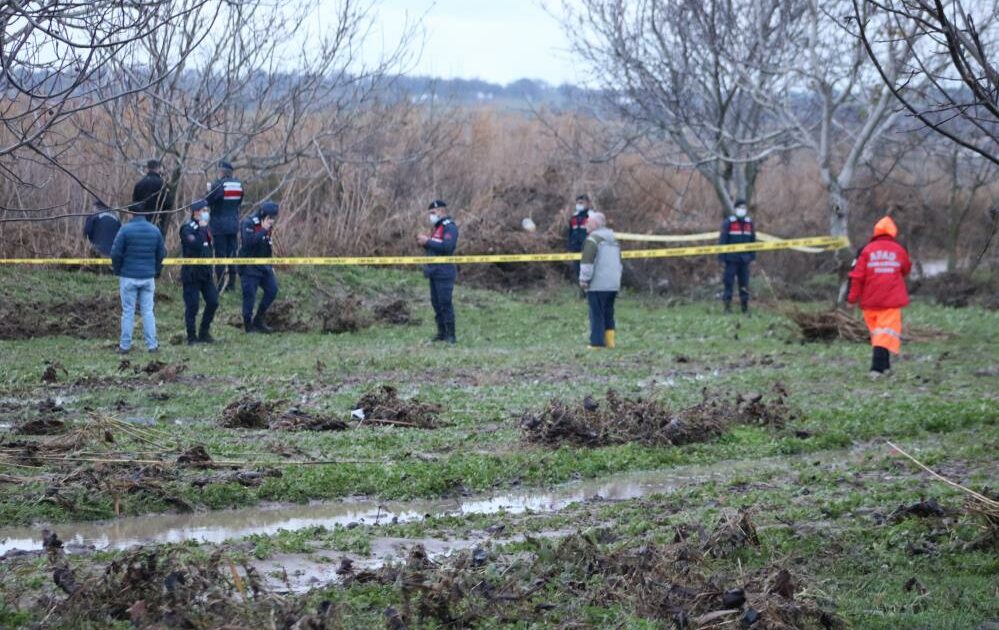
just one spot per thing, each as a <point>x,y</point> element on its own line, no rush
<point>601,262</point>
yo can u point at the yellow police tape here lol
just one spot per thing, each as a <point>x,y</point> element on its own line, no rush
<point>824,243</point>
<point>703,236</point>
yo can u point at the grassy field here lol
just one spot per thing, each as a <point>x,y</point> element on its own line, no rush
<point>819,490</point>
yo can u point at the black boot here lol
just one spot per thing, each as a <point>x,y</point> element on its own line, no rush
<point>745,308</point>
<point>260,325</point>
<point>441,334</point>
<point>191,337</point>
<point>449,333</point>
<point>728,307</point>
<point>205,336</point>
<point>248,326</point>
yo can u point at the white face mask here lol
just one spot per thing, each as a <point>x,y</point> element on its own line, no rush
<point>580,207</point>
<point>434,218</point>
<point>740,211</point>
<point>204,217</point>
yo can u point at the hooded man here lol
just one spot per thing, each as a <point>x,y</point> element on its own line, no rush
<point>196,242</point>
<point>737,228</point>
<point>600,277</point>
<point>257,231</point>
<point>877,283</point>
<point>442,241</point>
<point>225,198</point>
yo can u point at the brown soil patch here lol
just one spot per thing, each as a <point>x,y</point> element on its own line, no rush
<point>395,312</point>
<point>618,420</point>
<point>384,406</point>
<point>840,324</point>
<point>345,313</point>
<point>93,317</point>
<point>41,426</point>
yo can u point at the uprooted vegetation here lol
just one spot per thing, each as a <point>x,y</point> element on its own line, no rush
<point>556,581</point>
<point>339,313</point>
<point>252,413</point>
<point>840,324</point>
<point>384,406</point>
<point>619,420</point>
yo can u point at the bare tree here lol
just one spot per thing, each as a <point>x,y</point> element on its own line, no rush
<point>951,84</point>
<point>56,59</point>
<point>273,85</point>
<point>688,74</point>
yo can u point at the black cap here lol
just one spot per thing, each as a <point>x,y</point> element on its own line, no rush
<point>225,166</point>
<point>268,208</point>
<point>740,202</point>
<point>583,197</point>
<point>437,204</point>
<point>152,165</point>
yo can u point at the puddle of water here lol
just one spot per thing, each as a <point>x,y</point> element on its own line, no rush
<point>219,526</point>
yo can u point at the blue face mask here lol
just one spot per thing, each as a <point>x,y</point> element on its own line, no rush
<point>204,217</point>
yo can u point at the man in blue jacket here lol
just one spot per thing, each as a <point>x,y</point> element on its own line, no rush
<point>737,228</point>
<point>137,259</point>
<point>441,241</point>
<point>196,242</point>
<point>257,231</point>
<point>225,198</point>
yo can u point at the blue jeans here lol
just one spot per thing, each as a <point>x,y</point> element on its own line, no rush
<point>134,290</point>
<point>601,314</point>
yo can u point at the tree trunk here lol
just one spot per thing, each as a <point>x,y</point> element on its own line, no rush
<point>839,217</point>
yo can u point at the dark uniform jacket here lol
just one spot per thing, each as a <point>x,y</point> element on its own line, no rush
<point>150,195</point>
<point>256,243</point>
<point>100,229</point>
<point>225,199</point>
<point>443,241</point>
<point>195,242</point>
<point>735,230</point>
<point>138,250</point>
<point>577,230</point>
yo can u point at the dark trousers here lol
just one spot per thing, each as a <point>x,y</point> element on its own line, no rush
<point>264,279</point>
<point>880,360</point>
<point>601,314</point>
<point>194,289</point>
<point>441,294</point>
<point>226,246</point>
<point>735,270</point>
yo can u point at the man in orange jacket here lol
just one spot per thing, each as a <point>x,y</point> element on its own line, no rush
<point>877,282</point>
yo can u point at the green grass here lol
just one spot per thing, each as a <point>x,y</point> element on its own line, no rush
<point>517,351</point>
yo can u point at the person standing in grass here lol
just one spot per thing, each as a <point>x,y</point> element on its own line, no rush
<point>137,259</point>
<point>225,198</point>
<point>442,241</point>
<point>877,283</point>
<point>600,277</point>
<point>737,229</point>
<point>257,232</point>
<point>196,242</point>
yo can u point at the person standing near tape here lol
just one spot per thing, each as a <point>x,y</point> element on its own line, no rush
<point>101,228</point>
<point>442,241</point>
<point>150,194</point>
<point>600,277</point>
<point>576,233</point>
<point>137,259</point>
<point>877,283</point>
<point>257,232</point>
<point>737,228</point>
<point>196,242</point>
<point>225,198</point>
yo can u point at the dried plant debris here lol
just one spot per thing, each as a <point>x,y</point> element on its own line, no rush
<point>840,324</point>
<point>395,312</point>
<point>253,413</point>
<point>555,582</point>
<point>619,420</point>
<point>41,426</point>
<point>384,406</point>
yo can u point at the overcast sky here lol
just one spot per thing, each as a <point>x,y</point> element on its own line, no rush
<point>495,40</point>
